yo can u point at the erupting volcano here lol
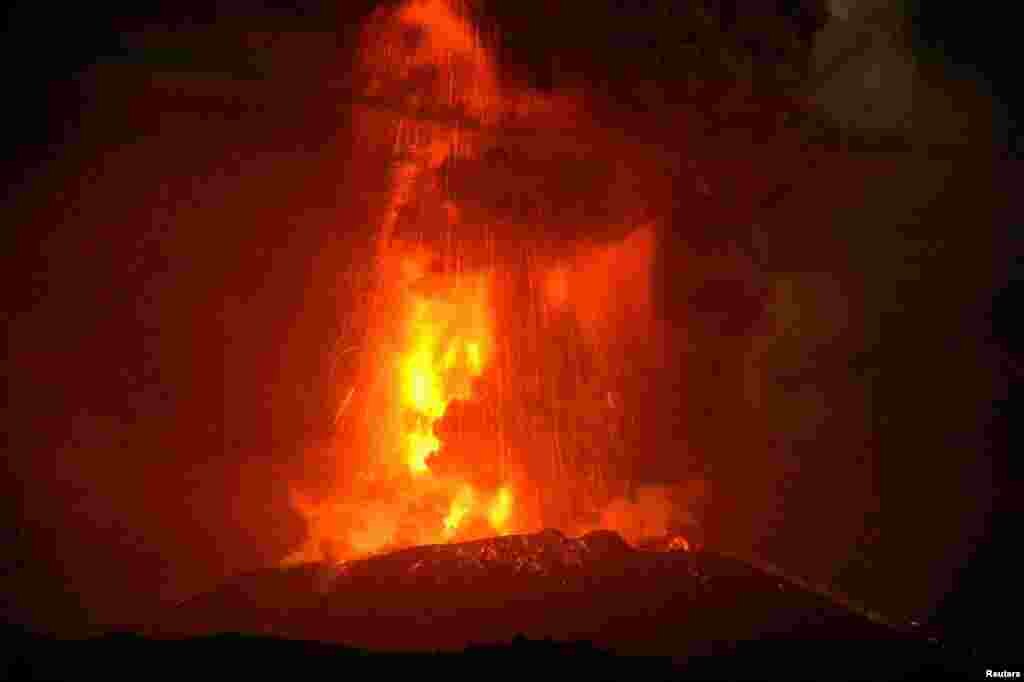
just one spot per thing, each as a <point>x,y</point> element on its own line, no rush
<point>430,325</point>
<point>487,398</point>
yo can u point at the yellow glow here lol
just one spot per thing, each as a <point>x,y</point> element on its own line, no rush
<point>421,446</point>
<point>473,357</point>
<point>501,509</point>
<point>461,506</point>
<point>445,335</point>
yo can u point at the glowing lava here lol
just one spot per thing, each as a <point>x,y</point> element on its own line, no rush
<point>449,332</point>
<point>446,338</point>
<point>501,508</point>
<point>461,506</point>
<point>541,422</point>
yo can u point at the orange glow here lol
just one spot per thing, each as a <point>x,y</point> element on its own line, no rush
<point>446,335</point>
<point>679,543</point>
<point>556,287</point>
<point>607,287</point>
<point>432,334</point>
<point>461,506</point>
<point>421,446</point>
<point>448,30</point>
<point>500,510</point>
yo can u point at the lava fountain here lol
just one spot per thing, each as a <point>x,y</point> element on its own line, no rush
<point>471,408</point>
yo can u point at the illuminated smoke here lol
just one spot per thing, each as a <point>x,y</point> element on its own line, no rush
<point>480,408</point>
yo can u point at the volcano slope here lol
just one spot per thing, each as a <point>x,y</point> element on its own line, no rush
<point>594,607</point>
<point>684,606</point>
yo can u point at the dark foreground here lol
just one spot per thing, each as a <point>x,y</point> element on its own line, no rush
<point>591,608</point>
<point>231,656</point>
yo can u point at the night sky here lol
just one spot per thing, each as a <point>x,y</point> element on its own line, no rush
<point>171,267</point>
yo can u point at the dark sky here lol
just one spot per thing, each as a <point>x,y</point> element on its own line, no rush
<point>169,267</point>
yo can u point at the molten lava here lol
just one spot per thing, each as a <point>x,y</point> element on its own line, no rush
<point>444,351</point>
<point>471,410</point>
<point>447,343</point>
<point>500,509</point>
